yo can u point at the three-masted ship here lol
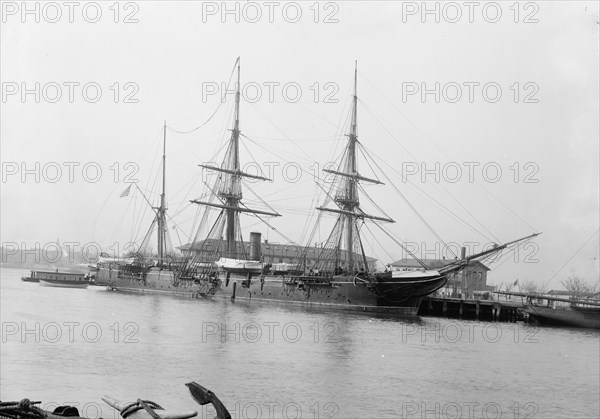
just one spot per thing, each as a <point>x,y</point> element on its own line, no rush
<point>222,265</point>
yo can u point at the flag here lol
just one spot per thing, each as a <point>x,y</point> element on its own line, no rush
<point>125,192</point>
<point>516,283</point>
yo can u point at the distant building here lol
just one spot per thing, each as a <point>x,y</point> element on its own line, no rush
<point>275,253</point>
<point>558,293</point>
<point>569,294</point>
<point>471,282</point>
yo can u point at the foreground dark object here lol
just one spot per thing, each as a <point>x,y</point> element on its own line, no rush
<point>141,409</point>
<point>204,396</point>
<point>26,409</point>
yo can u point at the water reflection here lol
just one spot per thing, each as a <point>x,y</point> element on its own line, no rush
<point>273,355</point>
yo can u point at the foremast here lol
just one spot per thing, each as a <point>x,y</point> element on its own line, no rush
<point>347,199</point>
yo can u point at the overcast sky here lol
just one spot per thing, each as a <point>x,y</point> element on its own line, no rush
<point>499,103</point>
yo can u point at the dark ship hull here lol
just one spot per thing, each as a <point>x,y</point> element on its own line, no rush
<point>567,316</point>
<point>382,294</point>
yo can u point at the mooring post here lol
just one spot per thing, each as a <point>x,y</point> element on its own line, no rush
<point>233,292</point>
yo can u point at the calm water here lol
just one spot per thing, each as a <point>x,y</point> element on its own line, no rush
<point>72,346</point>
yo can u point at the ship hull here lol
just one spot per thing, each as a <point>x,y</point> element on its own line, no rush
<point>155,281</point>
<point>385,295</point>
<point>573,317</point>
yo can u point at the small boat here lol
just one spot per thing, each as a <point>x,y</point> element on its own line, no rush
<point>556,311</point>
<point>241,265</point>
<point>105,258</point>
<point>59,283</point>
<point>31,278</point>
<point>62,279</point>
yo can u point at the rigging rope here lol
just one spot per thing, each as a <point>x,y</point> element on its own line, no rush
<point>378,242</point>
<point>403,247</point>
<point>388,179</point>
<point>435,185</point>
<point>215,111</point>
<point>571,258</point>
<point>448,156</point>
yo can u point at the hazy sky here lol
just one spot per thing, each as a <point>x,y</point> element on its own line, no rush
<point>489,114</point>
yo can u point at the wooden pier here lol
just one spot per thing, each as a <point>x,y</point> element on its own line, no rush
<point>490,310</point>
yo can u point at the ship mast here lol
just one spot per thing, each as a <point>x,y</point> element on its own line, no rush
<point>347,198</point>
<point>230,191</point>
<point>351,189</point>
<point>233,195</point>
<point>162,209</point>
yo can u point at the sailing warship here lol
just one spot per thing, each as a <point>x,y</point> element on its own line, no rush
<point>222,265</point>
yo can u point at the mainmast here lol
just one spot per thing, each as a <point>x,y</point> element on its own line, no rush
<point>233,194</point>
<point>230,191</point>
<point>162,209</point>
<point>351,189</point>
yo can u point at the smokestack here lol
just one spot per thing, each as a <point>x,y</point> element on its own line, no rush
<point>255,246</point>
<point>463,252</point>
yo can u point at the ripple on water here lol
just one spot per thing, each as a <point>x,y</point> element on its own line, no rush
<point>347,364</point>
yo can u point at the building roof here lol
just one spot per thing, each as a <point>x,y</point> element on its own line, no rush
<point>267,248</point>
<point>432,263</point>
